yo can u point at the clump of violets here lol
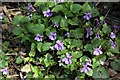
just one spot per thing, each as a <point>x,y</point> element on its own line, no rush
<point>59,45</point>
<point>86,66</point>
<point>97,51</point>
<point>113,44</point>
<point>89,32</point>
<point>47,13</point>
<point>67,60</point>
<point>30,7</point>
<point>56,25</point>
<point>38,37</point>
<point>52,36</point>
<point>4,71</point>
<point>87,15</point>
<point>112,35</point>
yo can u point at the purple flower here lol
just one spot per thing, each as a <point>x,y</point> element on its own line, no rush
<point>89,32</point>
<point>58,1</point>
<point>116,27</point>
<point>67,59</point>
<point>52,36</point>
<point>113,45</point>
<point>47,13</point>
<point>97,51</point>
<point>38,37</point>
<point>112,35</point>
<point>56,25</point>
<point>4,71</point>
<point>97,36</point>
<point>97,21</point>
<point>1,15</point>
<point>59,45</point>
<point>85,68</point>
<point>87,15</point>
<point>30,7</point>
<point>67,34</point>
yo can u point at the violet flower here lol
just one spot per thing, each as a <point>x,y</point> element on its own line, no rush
<point>58,1</point>
<point>97,21</point>
<point>4,71</point>
<point>97,51</point>
<point>1,15</point>
<point>113,45</point>
<point>87,15</point>
<point>112,35</point>
<point>116,27</point>
<point>30,7</point>
<point>85,68</point>
<point>47,13</point>
<point>38,37</point>
<point>97,36</point>
<point>67,60</point>
<point>89,32</point>
<point>67,34</point>
<point>52,36</point>
<point>59,45</point>
<point>56,25</point>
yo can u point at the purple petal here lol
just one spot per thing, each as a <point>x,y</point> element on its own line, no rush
<point>112,35</point>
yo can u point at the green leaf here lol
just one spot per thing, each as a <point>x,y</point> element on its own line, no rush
<point>39,46</point>
<point>75,8</point>
<point>17,31</point>
<point>86,7</point>
<point>51,77</point>
<point>58,8</point>
<point>114,50</point>
<point>77,54</point>
<point>89,73</point>
<point>56,18</point>
<point>95,12</point>
<point>106,29</point>
<point>74,21</point>
<point>115,64</point>
<point>76,43</point>
<point>89,47</point>
<point>46,46</point>
<point>33,46</point>
<point>77,33</point>
<point>100,72</point>
<point>63,23</point>
<point>38,29</point>
<point>17,19</point>
<point>19,60</point>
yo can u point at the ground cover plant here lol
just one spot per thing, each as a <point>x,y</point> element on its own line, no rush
<point>59,40</point>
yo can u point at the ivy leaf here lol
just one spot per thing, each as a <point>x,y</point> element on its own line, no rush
<point>115,64</point>
<point>58,8</point>
<point>19,60</point>
<point>100,72</point>
<point>46,46</point>
<point>75,8</point>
